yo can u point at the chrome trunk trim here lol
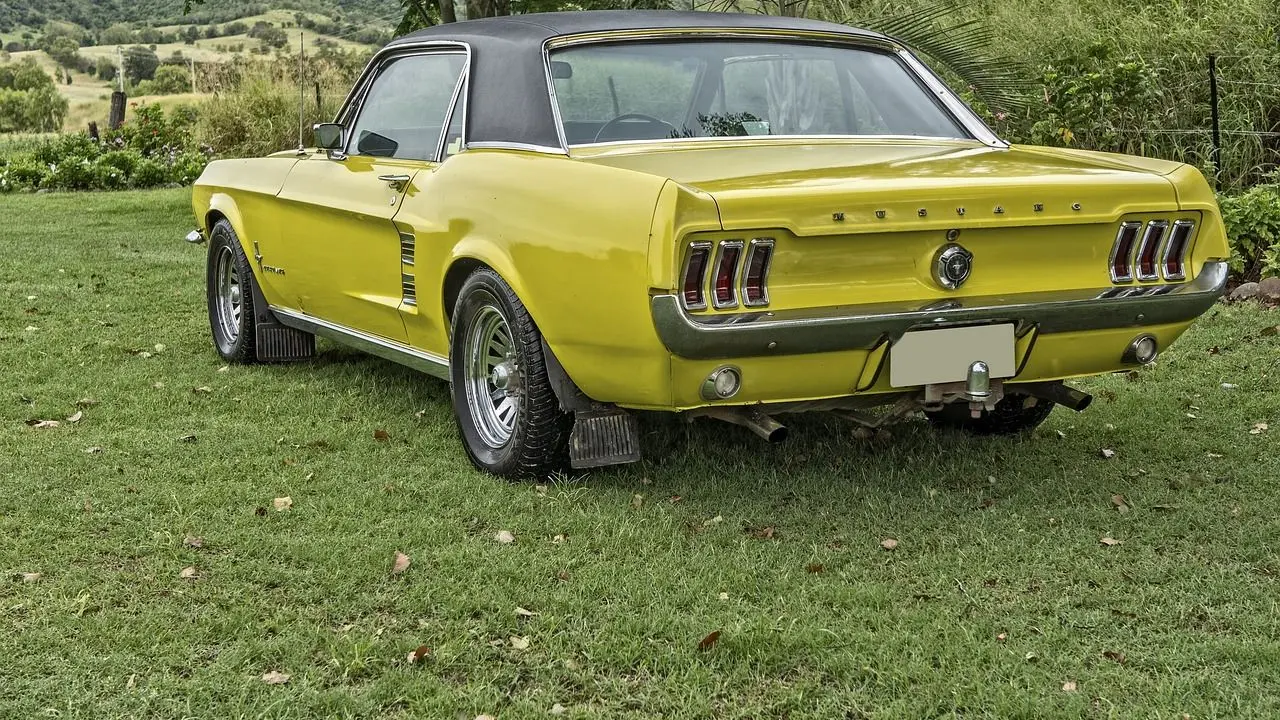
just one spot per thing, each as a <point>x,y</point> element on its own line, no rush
<point>382,347</point>
<point>862,327</point>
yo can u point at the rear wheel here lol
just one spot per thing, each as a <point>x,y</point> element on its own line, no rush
<point>1014,414</point>
<point>230,297</point>
<point>510,420</point>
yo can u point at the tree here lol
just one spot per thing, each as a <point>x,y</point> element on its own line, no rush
<point>117,34</point>
<point>64,51</point>
<point>106,69</point>
<point>191,34</point>
<point>140,63</point>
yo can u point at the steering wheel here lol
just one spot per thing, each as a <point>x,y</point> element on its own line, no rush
<point>634,116</point>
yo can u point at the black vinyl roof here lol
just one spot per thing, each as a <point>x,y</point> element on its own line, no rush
<point>507,96</point>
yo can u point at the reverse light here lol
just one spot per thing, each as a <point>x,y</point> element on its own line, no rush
<point>1175,251</point>
<point>695,275</point>
<point>722,384</point>
<point>1141,350</point>
<point>1149,251</point>
<point>1122,252</point>
<point>724,287</point>
<point>755,283</point>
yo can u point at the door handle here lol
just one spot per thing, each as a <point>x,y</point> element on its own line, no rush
<point>396,182</point>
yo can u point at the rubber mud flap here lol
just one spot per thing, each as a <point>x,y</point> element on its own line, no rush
<point>603,437</point>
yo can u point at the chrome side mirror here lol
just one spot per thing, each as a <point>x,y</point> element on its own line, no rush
<point>328,135</point>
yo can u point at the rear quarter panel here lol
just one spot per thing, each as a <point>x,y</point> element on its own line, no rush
<point>570,238</point>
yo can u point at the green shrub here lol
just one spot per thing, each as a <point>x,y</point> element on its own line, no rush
<point>1253,229</point>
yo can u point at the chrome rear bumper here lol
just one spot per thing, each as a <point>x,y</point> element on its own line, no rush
<point>863,327</point>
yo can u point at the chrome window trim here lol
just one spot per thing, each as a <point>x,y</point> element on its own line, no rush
<point>1149,237</point>
<point>736,278</point>
<point>950,102</point>
<point>756,245</point>
<point>765,139</point>
<point>1135,226</point>
<point>529,147</point>
<point>453,107</point>
<point>702,281</point>
<point>421,360</point>
<point>1189,227</point>
<point>354,102</point>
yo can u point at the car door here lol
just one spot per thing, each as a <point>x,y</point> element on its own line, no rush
<point>339,250</point>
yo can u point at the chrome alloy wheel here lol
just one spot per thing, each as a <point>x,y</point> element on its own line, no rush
<point>493,386</point>
<point>230,303</point>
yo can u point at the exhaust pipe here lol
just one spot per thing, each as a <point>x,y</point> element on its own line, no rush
<point>751,419</point>
<point>1058,393</point>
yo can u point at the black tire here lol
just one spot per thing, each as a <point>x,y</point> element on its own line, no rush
<point>1014,414</point>
<point>233,334</point>
<point>538,439</point>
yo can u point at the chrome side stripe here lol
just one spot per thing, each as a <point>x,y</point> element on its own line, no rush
<point>389,349</point>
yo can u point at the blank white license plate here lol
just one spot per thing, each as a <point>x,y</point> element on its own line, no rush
<point>930,357</point>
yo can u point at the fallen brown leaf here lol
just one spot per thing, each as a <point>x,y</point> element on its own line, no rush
<point>75,417</point>
<point>1110,541</point>
<point>30,577</point>
<point>93,450</point>
<point>504,537</point>
<point>85,403</point>
<point>381,435</point>
<point>675,499</point>
<point>189,573</point>
<point>43,424</point>
<point>519,643</point>
<point>713,521</point>
<point>1258,428</point>
<point>400,563</point>
<point>525,613</point>
<point>637,501</point>
<point>1108,453</point>
<point>814,568</point>
<point>1269,331</point>
<point>889,544</point>
<point>709,641</point>
<point>418,654</point>
<point>193,541</point>
<point>260,511</point>
<point>282,504</point>
<point>558,709</point>
<point>1002,637</point>
<point>1121,504</point>
<point>562,575</point>
<point>1114,656</point>
<point>764,533</point>
<point>187,438</point>
<point>1069,686</point>
<point>275,677</point>
<point>202,390</point>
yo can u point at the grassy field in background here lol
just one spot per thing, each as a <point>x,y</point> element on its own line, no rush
<point>999,599</point>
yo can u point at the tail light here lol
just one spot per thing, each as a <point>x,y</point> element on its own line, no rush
<point>1175,251</point>
<point>724,288</point>
<point>1149,251</point>
<point>1122,252</point>
<point>755,284</point>
<point>695,275</point>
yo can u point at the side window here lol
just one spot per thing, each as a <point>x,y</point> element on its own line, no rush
<point>403,112</point>
<point>453,136</point>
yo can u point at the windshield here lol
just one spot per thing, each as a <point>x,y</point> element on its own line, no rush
<point>719,88</point>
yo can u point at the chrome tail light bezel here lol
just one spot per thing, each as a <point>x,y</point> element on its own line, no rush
<point>726,249</point>
<point>1123,248</point>
<point>1152,237</point>
<point>762,249</point>
<point>696,250</point>
<point>1180,237</point>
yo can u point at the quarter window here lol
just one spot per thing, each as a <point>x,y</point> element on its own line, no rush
<point>404,111</point>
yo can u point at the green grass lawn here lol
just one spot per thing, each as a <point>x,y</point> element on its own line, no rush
<point>998,601</point>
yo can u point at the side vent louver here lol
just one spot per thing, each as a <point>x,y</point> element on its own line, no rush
<point>408,286</point>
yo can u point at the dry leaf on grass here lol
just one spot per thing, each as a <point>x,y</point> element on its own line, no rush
<point>418,654</point>
<point>400,563</point>
<point>1112,655</point>
<point>1002,637</point>
<point>1121,504</point>
<point>1069,686</point>
<point>814,568</point>
<point>84,403</point>
<point>637,501</point>
<point>1108,453</point>
<point>713,521</point>
<point>764,533</point>
<point>1061,435</point>
<point>187,438</point>
<point>558,709</point>
<point>562,575</point>
<point>275,677</point>
<point>189,573</point>
<point>519,642</point>
<point>193,541</point>
<point>504,537</point>
<point>43,424</point>
<point>381,435</point>
<point>30,577</point>
<point>1110,541</point>
<point>202,390</point>
<point>709,641</point>
<point>525,613</point>
<point>282,504</point>
<point>889,544</point>
<point>75,417</point>
<point>1259,428</point>
<point>260,511</point>
<point>724,596</point>
<point>486,717</point>
<point>93,450</point>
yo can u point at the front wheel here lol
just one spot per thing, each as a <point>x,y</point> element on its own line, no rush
<point>1014,414</point>
<point>230,297</point>
<point>510,420</point>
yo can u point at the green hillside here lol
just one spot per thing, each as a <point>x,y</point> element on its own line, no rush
<point>100,14</point>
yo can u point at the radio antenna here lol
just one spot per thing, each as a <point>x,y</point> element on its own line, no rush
<point>302,87</point>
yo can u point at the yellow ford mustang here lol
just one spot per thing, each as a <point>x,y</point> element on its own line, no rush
<point>572,216</point>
